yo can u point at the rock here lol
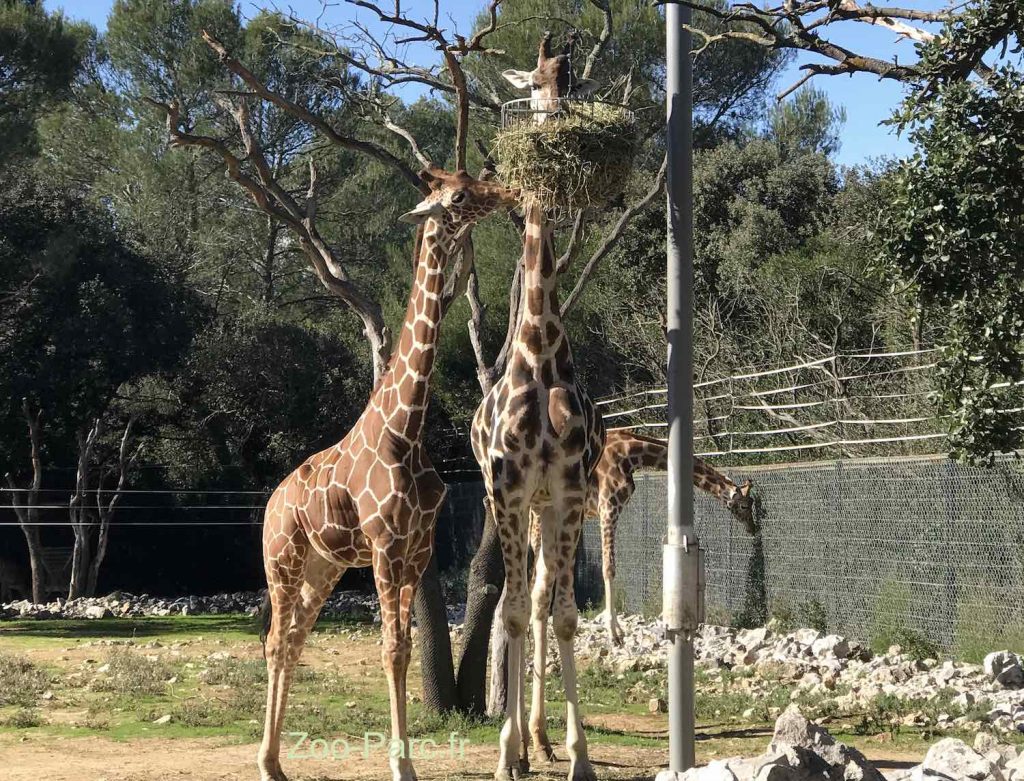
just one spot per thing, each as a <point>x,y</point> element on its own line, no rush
<point>165,719</point>
<point>1004,667</point>
<point>952,758</point>
<point>830,646</point>
<point>657,705</point>
<point>97,611</point>
<point>793,731</point>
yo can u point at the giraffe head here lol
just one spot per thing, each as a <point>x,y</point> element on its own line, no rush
<point>551,79</point>
<point>741,504</point>
<point>458,201</point>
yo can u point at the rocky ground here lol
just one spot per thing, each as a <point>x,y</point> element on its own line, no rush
<point>839,676</point>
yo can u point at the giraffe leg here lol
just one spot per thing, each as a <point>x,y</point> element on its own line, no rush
<point>543,587</point>
<point>566,618</point>
<point>513,533</point>
<point>296,600</point>
<point>397,647</point>
<point>608,518</point>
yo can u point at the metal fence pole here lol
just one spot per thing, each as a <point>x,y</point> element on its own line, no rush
<point>682,571</point>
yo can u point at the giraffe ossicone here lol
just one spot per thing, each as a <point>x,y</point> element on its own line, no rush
<point>372,499</point>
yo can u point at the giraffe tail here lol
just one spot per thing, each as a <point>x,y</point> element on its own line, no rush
<point>266,615</point>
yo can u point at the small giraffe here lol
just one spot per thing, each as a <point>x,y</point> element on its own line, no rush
<point>611,487</point>
<point>373,498</point>
<point>537,437</point>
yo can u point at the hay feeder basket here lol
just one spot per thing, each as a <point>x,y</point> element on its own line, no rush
<point>566,153</point>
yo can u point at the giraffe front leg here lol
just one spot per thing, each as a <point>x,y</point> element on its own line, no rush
<point>395,653</point>
<point>565,619</point>
<point>515,614</point>
<point>608,520</point>
<point>546,552</point>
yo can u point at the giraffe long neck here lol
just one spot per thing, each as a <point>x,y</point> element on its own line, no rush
<point>540,331</point>
<point>707,478</point>
<point>649,454</point>
<point>405,390</point>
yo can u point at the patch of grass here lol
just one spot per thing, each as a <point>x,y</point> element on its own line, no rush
<point>21,681</point>
<point>238,673</point>
<point>890,624</point>
<point>813,614</point>
<point>980,629</point>
<point>131,673</point>
<point>23,718</point>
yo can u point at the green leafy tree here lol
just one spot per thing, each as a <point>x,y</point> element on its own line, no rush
<point>40,56</point>
<point>85,313</point>
<point>952,237</point>
<point>807,123</point>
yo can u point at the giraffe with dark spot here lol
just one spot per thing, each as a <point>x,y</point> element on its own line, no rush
<point>372,499</point>
<point>537,437</point>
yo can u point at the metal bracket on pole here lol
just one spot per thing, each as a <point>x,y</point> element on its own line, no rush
<point>684,585</point>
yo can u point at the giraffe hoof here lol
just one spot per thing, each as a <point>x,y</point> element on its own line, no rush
<point>272,774</point>
<point>524,765</point>
<point>582,771</point>
<point>507,773</point>
<point>545,750</point>
<point>616,635</point>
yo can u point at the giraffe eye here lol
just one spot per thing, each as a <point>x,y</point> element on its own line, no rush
<point>459,196</point>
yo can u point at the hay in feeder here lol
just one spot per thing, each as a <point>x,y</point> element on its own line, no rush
<point>578,157</point>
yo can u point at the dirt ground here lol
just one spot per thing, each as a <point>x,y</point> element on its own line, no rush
<point>202,759</point>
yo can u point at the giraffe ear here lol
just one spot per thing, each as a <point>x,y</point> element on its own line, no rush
<point>423,211</point>
<point>745,489</point>
<point>520,79</point>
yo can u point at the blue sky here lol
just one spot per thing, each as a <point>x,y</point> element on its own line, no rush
<point>867,100</point>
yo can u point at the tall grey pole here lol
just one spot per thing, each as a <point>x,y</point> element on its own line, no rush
<point>682,561</point>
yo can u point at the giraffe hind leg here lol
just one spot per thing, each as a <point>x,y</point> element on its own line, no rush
<point>609,517</point>
<point>299,581</point>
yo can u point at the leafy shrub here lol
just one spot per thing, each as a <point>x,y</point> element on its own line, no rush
<point>21,681</point>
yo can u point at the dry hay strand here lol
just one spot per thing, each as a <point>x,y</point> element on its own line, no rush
<point>578,157</point>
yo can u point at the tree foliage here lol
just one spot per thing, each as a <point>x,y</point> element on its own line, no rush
<point>953,232</point>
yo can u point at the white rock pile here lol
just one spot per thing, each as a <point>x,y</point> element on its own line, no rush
<point>799,751</point>
<point>123,604</point>
<point>803,751</point>
<point>822,665</point>
<point>120,604</point>
<point>953,760</point>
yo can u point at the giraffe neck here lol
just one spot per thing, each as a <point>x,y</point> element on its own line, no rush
<point>709,479</point>
<point>405,390</point>
<point>649,455</point>
<point>540,331</point>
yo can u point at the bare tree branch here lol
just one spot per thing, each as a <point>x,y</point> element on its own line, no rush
<point>602,39</point>
<point>276,201</point>
<point>612,238</point>
<point>321,125</point>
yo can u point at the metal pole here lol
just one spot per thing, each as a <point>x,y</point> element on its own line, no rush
<point>682,562</point>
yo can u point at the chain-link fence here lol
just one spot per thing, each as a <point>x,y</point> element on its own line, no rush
<point>895,549</point>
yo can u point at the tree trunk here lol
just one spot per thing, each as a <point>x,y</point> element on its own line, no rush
<point>80,564</point>
<point>486,579</point>
<point>497,692</point>
<point>36,564</point>
<point>435,642</point>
